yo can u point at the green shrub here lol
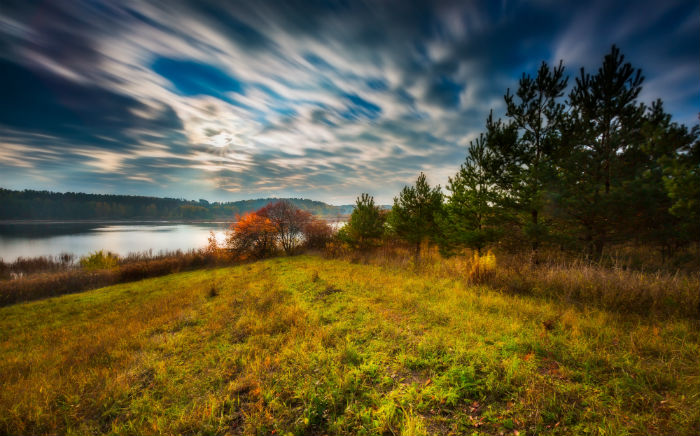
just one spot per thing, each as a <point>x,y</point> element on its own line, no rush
<point>99,260</point>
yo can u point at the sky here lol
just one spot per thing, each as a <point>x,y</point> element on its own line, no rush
<point>315,99</point>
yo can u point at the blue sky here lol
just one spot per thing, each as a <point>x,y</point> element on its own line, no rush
<point>319,99</point>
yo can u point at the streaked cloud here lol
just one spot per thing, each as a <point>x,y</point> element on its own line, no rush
<point>325,100</point>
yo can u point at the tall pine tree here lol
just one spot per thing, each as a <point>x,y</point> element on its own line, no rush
<point>605,121</point>
<point>536,113</point>
<point>413,216</point>
<point>471,213</point>
<point>366,224</point>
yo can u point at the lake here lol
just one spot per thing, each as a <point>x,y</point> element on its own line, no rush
<point>40,239</point>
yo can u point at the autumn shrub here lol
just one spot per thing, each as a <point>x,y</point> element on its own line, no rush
<point>288,222</point>
<point>336,248</point>
<point>252,236</point>
<point>99,260</point>
<point>317,233</point>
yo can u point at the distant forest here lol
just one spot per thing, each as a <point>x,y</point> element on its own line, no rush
<point>45,205</point>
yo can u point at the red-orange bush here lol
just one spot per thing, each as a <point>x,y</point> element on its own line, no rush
<point>253,236</point>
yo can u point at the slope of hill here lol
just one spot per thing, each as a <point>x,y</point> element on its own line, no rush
<point>45,205</point>
<point>305,345</point>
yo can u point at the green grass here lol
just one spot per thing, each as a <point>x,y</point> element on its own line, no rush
<point>305,345</point>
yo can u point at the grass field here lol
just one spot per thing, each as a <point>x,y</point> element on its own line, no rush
<point>305,345</point>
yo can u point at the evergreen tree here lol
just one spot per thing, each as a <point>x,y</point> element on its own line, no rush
<point>535,114</point>
<point>413,216</point>
<point>644,215</point>
<point>682,182</point>
<point>471,213</point>
<point>604,126</point>
<point>366,224</point>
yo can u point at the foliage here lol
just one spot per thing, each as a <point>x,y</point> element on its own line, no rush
<point>471,213</point>
<point>605,120</point>
<point>365,226</point>
<point>277,225</point>
<point>598,171</point>
<point>252,235</point>
<point>317,233</point>
<point>537,114</point>
<point>99,260</point>
<point>303,345</point>
<point>414,214</point>
<point>682,181</point>
<point>289,222</point>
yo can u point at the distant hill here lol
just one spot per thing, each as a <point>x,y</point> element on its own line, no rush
<point>45,205</point>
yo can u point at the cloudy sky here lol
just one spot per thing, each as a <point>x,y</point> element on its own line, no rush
<point>320,99</point>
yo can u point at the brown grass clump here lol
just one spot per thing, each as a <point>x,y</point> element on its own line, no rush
<point>73,280</point>
<point>573,281</point>
<point>659,293</point>
<point>24,266</point>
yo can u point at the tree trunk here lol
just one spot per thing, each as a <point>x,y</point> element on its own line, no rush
<point>589,242</point>
<point>598,245</point>
<point>536,241</point>
<point>416,255</point>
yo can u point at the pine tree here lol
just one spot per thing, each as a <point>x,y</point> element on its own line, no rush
<point>366,224</point>
<point>645,215</point>
<point>471,212</point>
<point>413,216</point>
<point>605,119</point>
<point>536,115</point>
<point>681,179</point>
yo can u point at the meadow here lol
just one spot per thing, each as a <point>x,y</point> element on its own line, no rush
<point>309,345</point>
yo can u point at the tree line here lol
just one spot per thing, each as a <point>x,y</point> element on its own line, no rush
<point>44,205</point>
<point>581,171</point>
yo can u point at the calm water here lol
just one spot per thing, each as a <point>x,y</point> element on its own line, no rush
<point>29,240</point>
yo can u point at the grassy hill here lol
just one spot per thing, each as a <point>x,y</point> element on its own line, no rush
<point>305,345</point>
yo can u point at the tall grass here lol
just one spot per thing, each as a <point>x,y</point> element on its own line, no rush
<point>611,283</point>
<point>569,280</point>
<point>102,269</point>
<point>24,266</point>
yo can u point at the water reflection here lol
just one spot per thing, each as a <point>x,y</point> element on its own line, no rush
<point>29,240</point>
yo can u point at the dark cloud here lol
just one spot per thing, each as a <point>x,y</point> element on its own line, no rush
<point>305,98</point>
<point>34,101</point>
